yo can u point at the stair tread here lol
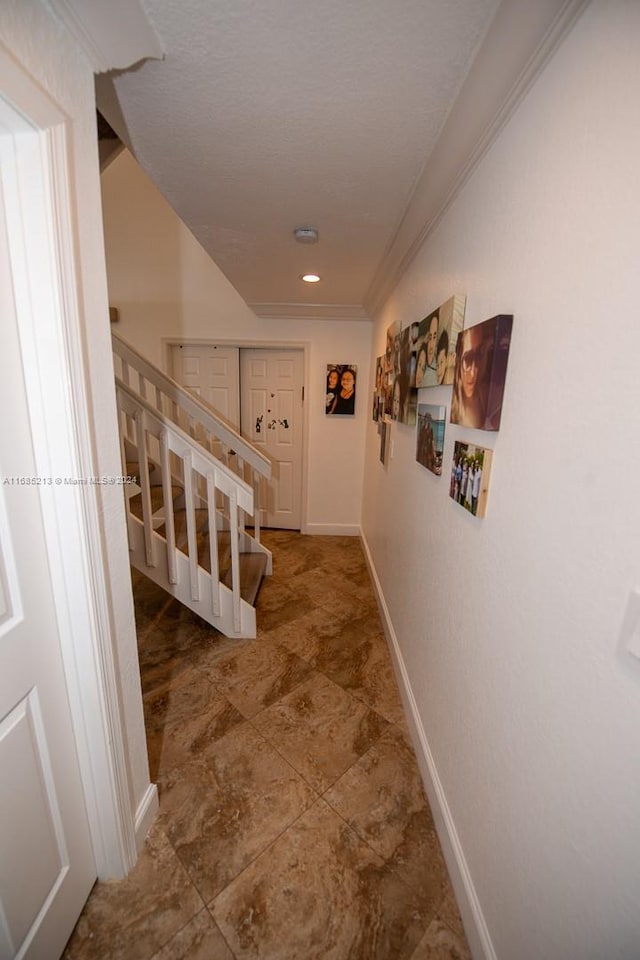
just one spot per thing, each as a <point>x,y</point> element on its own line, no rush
<point>156,499</point>
<point>252,565</point>
<point>252,568</point>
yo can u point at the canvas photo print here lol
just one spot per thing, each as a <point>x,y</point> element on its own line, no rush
<point>404,398</point>
<point>449,327</point>
<point>340,393</point>
<point>470,472</point>
<point>378,393</point>
<point>481,367</point>
<point>426,356</point>
<point>430,439</point>
<point>436,343</point>
<point>385,439</point>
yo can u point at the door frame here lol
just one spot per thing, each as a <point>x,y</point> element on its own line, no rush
<point>40,206</point>
<point>166,343</point>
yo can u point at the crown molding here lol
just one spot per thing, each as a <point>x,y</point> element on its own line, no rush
<point>519,42</point>
<point>309,311</point>
<point>114,35</point>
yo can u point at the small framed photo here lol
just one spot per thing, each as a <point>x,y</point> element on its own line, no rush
<point>470,473</point>
<point>340,393</point>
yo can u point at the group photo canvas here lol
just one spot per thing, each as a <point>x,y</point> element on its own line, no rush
<point>470,473</point>
<point>436,343</point>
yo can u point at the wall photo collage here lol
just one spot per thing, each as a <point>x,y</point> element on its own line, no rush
<point>440,351</point>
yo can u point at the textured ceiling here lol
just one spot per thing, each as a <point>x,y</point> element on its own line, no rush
<point>269,114</point>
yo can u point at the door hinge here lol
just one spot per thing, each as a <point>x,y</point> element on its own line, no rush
<point>303,394</point>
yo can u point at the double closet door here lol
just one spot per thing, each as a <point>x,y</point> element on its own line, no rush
<point>259,391</point>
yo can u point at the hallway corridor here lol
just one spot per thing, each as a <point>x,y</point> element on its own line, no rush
<point>292,823</point>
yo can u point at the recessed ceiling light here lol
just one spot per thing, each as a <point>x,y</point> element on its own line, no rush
<point>310,277</point>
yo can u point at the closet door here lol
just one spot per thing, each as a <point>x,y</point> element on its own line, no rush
<point>271,418</point>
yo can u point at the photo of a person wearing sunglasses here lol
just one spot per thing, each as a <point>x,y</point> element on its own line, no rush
<point>481,366</point>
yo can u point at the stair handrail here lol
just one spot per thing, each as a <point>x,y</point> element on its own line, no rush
<point>193,406</point>
<point>197,457</point>
<point>203,458</point>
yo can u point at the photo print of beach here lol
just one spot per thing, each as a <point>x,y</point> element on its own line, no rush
<point>470,472</point>
<point>430,436</point>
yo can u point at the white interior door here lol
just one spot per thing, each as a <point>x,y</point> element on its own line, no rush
<point>271,418</point>
<point>211,373</point>
<point>47,866</point>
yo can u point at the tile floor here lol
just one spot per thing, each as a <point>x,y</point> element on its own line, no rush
<point>292,823</point>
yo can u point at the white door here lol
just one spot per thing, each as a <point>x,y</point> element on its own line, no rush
<point>211,373</point>
<point>271,418</point>
<point>47,866</point>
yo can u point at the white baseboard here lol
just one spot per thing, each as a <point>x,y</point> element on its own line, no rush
<point>472,917</point>
<point>333,529</point>
<point>146,814</point>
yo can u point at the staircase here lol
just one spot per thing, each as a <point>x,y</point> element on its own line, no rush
<point>193,512</point>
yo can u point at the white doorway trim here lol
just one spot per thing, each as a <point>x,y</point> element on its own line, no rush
<point>40,208</point>
<point>257,344</point>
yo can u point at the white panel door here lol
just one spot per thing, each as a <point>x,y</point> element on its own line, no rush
<point>271,418</point>
<point>211,373</point>
<point>47,866</point>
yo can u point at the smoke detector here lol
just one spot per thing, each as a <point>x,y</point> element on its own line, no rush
<point>306,234</point>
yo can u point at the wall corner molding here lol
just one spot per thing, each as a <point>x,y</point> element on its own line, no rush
<point>114,35</point>
<point>519,43</point>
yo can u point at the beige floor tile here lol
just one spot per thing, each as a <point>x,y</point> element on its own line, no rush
<point>199,940</point>
<point>305,553</point>
<point>357,659</point>
<point>278,603</point>
<point>440,943</point>
<point>149,601</point>
<point>449,914</point>
<point>320,729</point>
<point>133,918</point>
<point>321,585</point>
<point>320,893</point>
<point>177,640</point>
<point>382,798</point>
<point>378,795</point>
<point>182,718</point>
<point>307,634</point>
<point>223,810</point>
<point>256,675</point>
<point>345,606</point>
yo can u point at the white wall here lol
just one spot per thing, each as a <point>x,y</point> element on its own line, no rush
<point>509,627</point>
<point>46,52</point>
<point>166,286</point>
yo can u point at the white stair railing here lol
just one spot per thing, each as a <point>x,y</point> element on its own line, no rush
<point>157,444</point>
<point>197,419</point>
